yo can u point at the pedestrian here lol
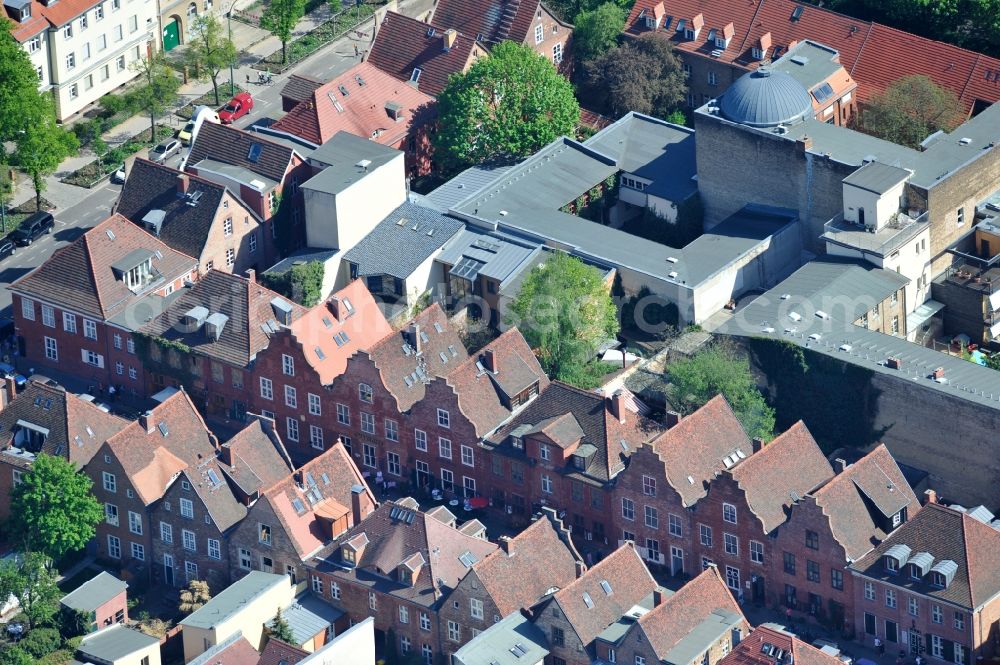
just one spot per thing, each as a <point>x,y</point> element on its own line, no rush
<point>879,646</point>
<point>248,79</point>
<point>357,51</point>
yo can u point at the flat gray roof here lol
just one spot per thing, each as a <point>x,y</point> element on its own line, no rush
<point>342,157</point>
<point>304,255</point>
<point>94,592</point>
<point>494,645</point>
<point>502,258</point>
<point>811,288</point>
<point>877,177</point>
<point>810,63</point>
<point>465,183</point>
<point>703,636</point>
<point>233,599</point>
<point>116,642</point>
<point>237,173</point>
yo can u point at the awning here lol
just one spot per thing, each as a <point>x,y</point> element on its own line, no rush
<point>33,427</point>
<point>920,316</point>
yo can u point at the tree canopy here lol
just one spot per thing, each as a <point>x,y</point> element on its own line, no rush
<point>720,369</point>
<point>209,50</point>
<point>52,508</point>
<point>279,18</point>
<point>595,32</point>
<point>909,110</point>
<point>303,283</point>
<point>565,311</point>
<point>20,86</point>
<point>32,580</point>
<point>159,88</point>
<point>280,630</point>
<point>505,107</point>
<point>643,75</point>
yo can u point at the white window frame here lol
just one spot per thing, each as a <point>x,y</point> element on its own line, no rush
<point>420,440</point>
<point>468,456</point>
<point>287,362</point>
<point>188,540</point>
<point>315,404</point>
<point>266,388</point>
<point>166,532</point>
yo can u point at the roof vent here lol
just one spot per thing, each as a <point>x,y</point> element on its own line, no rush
<point>258,185</point>
<point>671,259</point>
<point>282,310</point>
<point>965,140</point>
<point>195,317</point>
<point>364,164</point>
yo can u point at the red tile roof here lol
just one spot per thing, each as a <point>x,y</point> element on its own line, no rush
<point>874,55</point>
<point>22,32</point>
<point>748,652</point>
<point>403,44</point>
<point>495,20</point>
<point>362,111</point>
<point>80,278</point>
<point>781,473</point>
<point>256,458</point>
<point>693,451</point>
<point>318,328</point>
<point>279,653</point>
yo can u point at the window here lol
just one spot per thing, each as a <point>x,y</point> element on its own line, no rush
<point>705,533</point>
<point>120,62</point>
<point>640,660</point>
<point>870,591</point>
<point>266,388</point>
<point>365,393</point>
<point>190,571</point>
<point>292,428</point>
<point>86,57</point>
<point>392,464</point>
<point>291,399</point>
<point>628,509</point>
<point>48,316</point>
<point>539,34</point>
<point>936,614</point>
<point>425,621</point>
<point>420,438</point>
<point>467,456</point>
<point>732,544</point>
<point>959,621</point>
<point>74,91</point>
<point>166,532</point>
<point>102,43</point>
<point>812,571</point>
<point>733,578</point>
<point>264,534</point>
<point>34,44</point>
<point>133,23</point>
<point>105,70</point>
<point>111,514</point>
<point>960,216</point>
<point>895,324</point>
<point>427,653</point>
<point>343,414</point>
<point>391,430</point>
<point>404,645</point>
<point>789,563</point>
<point>114,547</point>
<point>132,372</point>
<point>729,513</point>
<point>129,344</point>
<point>119,34</point>
<point>69,322</point>
<point>51,349</point>
<point>110,485</point>
<point>188,540</point>
<point>367,422</point>
<point>546,484</point>
<point>837,579</point>
<point>187,508</point>
<point>912,607</point>
<point>444,448</point>
<point>334,590</point>
<point>652,520</point>
<point>890,598</point>
<point>557,57</point>
<point>674,525</point>
<point>253,242</point>
<point>713,78</point>
<point>91,358</point>
<point>135,523</point>
<point>214,550</point>
<point>119,368</point>
<point>476,608</point>
<point>368,455</point>
<point>444,418</point>
<point>71,61</point>
<point>891,565</point>
<point>316,437</point>
<point>28,309</point>
<point>937,646</point>
<point>230,256</point>
<point>543,452</point>
<point>959,654</point>
<point>404,614</point>
<point>756,551</point>
<point>558,637</point>
<point>18,476</point>
<point>812,540</point>
<point>227,230</point>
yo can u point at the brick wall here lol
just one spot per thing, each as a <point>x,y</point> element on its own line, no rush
<point>553,34</point>
<point>244,225</point>
<point>125,499</point>
<point>278,555</point>
<point>469,588</point>
<point>552,622</point>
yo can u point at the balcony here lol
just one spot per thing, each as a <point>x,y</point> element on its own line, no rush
<point>971,277</point>
<point>899,231</point>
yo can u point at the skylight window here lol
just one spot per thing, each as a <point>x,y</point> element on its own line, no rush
<point>415,76</point>
<point>588,601</point>
<point>320,354</point>
<point>213,478</point>
<point>163,429</point>
<point>254,154</point>
<point>606,587</point>
<point>343,90</point>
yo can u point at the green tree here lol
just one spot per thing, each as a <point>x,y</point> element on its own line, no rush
<point>565,312</point>
<point>11,654</point>
<point>52,508</point>
<point>720,369</point>
<point>159,89</point>
<point>40,642</point>
<point>32,580</point>
<point>209,50</point>
<point>194,596</point>
<point>279,18</point>
<point>280,630</point>
<point>909,110</point>
<point>643,75</point>
<point>303,283</point>
<point>19,91</point>
<point>596,32</point>
<point>505,107</point>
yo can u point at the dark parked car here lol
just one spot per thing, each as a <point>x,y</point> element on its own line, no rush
<point>32,228</point>
<point>7,248</point>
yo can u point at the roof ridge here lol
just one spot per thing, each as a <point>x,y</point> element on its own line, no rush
<point>753,20</point>
<point>861,50</point>
<point>90,263</point>
<point>972,72</point>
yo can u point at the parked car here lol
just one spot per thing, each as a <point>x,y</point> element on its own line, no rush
<point>7,371</point>
<point>118,177</point>
<point>185,134</point>
<point>237,107</point>
<point>7,247</point>
<point>32,228</point>
<point>165,151</point>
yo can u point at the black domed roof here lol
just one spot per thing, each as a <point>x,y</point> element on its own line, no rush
<point>766,98</point>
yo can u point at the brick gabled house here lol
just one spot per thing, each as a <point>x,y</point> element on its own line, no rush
<point>932,588</point>
<point>399,566</point>
<point>573,617</point>
<point>369,103</point>
<point>653,497</point>
<point>563,449</point>
<point>528,23</point>
<point>299,515</point>
<point>539,558</point>
<point>77,311</point>
<point>422,54</point>
<point>768,645</point>
<point>699,624</point>
<point>48,419</point>
<point>133,469</point>
<point>197,217</point>
<point>208,337</point>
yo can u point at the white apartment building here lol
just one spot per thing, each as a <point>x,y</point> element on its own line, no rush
<point>83,49</point>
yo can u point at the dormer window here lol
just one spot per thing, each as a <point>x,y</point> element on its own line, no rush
<point>689,34</point>
<point>757,53</point>
<point>943,573</point>
<point>891,565</point>
<point>348,555</point>
<point>721,42</point>
<point>517,442</point>
<point>937,579</point>
<point>136,270</point>
<point>914,572</point>
<point>579,463</point>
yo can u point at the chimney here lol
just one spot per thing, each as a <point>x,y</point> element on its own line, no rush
<point>673,419</point>
<point>758,444</point>
<point>618,405</point>
<point>182,184</point>
<point>360,504</point>
<point>839,465</point>
<point>146,421</point>
<point>580,569</point>
<point>449,38</point>
<point>930,496</point>
<point>658,597</point>
<point>251,275</point>
<point>9,390</point>
<point>504,543</point>
<point>413,332</point>
<point>490,360</point>
<point>336,308</point>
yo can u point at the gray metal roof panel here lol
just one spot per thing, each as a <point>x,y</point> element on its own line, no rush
<point>233,599</point>
<point>691,647</point>
<point>397,249</point>
<point>877,177</point>
<point>304,255</point>
<point>812,64</point>
<point>499,265</point>
<point>206,167</point>
<point>115,642</point>
<point>463,185</point>
<point>766,97</point>
<point>493,645</point>
<point>94,592</point>
<point>339,157</point>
